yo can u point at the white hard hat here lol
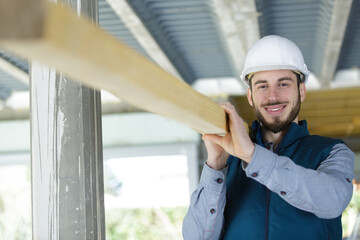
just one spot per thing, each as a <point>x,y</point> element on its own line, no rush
<point>274,53</point>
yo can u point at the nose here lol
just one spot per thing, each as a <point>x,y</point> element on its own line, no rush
<point>272,94</point>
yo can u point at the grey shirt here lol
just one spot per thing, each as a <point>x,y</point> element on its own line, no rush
<point>325,192</point>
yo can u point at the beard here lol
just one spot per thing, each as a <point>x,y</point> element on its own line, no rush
<point>278,125</point>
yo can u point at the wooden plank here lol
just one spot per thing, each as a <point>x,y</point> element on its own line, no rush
<point>338,93</point>
<point>323,112</point>
<point>330,103</point>
<point>336,130</point>
<point>56,36</point>
<point>324,121</point>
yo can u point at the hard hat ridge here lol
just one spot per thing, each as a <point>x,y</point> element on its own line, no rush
<point>273,52</point>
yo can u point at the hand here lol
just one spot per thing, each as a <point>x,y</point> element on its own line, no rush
<point>237,141</point>
<point>217,156</point>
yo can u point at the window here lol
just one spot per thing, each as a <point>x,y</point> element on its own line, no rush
<point>147,190</point>
<point>15,198</point>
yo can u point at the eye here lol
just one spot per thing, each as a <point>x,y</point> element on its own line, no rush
<point>262,86</point>
<point>284,84</point>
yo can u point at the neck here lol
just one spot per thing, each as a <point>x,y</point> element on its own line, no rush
<point>275,138</point>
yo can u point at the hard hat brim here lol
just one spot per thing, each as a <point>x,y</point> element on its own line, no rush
<point>256,69</point>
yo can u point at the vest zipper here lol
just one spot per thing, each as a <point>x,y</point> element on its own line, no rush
<point>270,146</point>
<point>267,215</point>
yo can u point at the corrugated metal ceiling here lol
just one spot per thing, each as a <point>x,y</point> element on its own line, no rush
<point>111,23</point>
<point>9,83</point>
<point>189,34</point>
<point>304,22</point>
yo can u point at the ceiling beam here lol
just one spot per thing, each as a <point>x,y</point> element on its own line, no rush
<point>14,71</point>
<point>339,19</point>
<point>142,35</point>
<point>238,20</point>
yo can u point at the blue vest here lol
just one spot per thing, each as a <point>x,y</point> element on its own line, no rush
<point>253,212</point>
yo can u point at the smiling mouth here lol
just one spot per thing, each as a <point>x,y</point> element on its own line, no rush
<point>275,109</point>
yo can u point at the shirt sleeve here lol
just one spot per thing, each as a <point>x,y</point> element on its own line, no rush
<point>205,217</point>
<point>326,191</point>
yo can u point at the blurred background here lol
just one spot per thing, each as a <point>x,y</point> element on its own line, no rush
<point>152,164</point>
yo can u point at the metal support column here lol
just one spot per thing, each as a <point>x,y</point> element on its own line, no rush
<point>66,153</point>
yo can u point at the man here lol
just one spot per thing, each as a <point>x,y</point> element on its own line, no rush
<point>280,182</point>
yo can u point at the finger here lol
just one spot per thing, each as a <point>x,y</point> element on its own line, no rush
<point>234,118</point>
<point>235,121</point>
<point>212,138</point>
<point>229,108</point>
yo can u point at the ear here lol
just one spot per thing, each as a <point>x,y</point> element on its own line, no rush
<point>249,96</point>
<point>302,91</point>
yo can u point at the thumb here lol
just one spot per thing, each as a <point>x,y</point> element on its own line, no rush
<point>212,138</point>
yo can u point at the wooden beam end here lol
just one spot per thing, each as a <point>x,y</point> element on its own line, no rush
<point>21,19</point>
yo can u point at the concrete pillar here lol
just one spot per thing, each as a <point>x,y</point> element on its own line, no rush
<point>66,152</point>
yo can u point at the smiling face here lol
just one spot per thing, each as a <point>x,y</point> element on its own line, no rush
<point>276,98</point>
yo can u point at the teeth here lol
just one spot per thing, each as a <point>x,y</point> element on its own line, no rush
<point>274,110</point>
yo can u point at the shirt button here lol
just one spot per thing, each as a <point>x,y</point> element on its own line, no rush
<point>212,211</point>
<point>255,174</point>
<point>219,180</point>
<point>348,180</point>
<point>283,193</point>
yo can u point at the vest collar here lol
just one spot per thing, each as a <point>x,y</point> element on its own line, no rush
<point>295,132</point>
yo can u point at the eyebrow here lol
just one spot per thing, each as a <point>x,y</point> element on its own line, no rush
<point>279,80</point>
<point>260,82</point>
<point>285,79</point>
